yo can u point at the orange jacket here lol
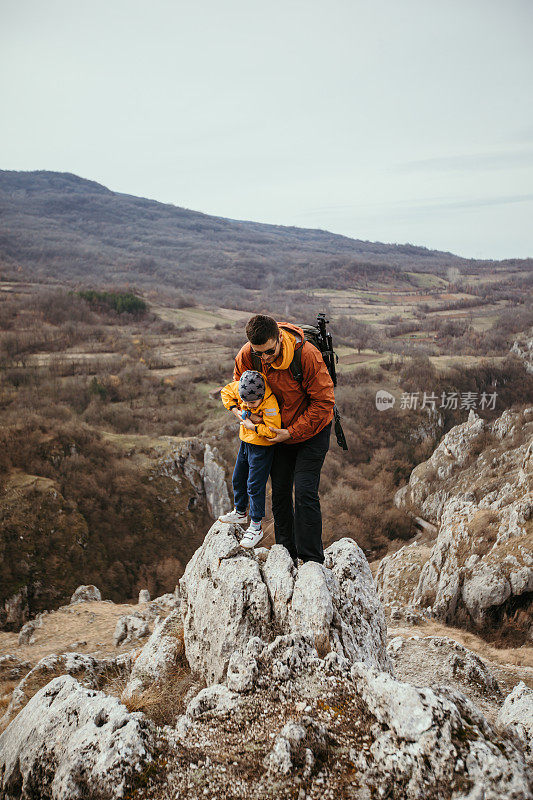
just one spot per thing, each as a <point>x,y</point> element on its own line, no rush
<point>268,409</point>
<point>306,407</point>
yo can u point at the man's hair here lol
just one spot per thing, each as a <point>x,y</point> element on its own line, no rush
<point>260,329</point>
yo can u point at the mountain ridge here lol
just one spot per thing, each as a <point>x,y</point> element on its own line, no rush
<point>63,226</point>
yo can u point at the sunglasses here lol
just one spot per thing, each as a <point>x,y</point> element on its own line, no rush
<point>269,352</point>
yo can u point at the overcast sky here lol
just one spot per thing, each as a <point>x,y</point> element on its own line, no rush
<point>389,120</point>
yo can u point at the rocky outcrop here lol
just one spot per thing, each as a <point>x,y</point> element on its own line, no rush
<point>433,660</point>
<point>130,628</point>
<point>90,671</point>
<point>158,657</point>
<point>86,594</point>
<point>71,742</point>
<point>398,574</point>
<point>431,743</point>
<point>200,464</point>
<point>337,728</point>
<point>523,348</point>
<point>15,610</point>
<point>300,701</point>
<point>480,570</point>
<point>214,477</point>
<point>517,714</point>
<point>230,596</point>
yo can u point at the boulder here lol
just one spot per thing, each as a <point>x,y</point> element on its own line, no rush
<point>70,742</point>
<point>90,671</point>
<point>130,628</point>
<point>158,658</point>
<point>86,594</point>
<point>230,596</point>
<point>432,660</point>
<point>433,743</point>
<point>12,667</point>
<point>297,741</point>
<point>359,631</point>
<point>27,631</point>
<point>144,596</point>
<point>224,602</point>
<point>516,713</point>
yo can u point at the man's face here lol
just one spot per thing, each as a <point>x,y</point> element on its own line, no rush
<point>269,351</point>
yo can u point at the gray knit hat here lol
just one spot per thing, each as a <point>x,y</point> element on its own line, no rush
<point>251,386</point>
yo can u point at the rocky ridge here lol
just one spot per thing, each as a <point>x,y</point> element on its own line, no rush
<point>292,695</point>
<point>477,487</point>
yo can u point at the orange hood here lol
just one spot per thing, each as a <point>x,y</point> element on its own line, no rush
<point>289,343</point>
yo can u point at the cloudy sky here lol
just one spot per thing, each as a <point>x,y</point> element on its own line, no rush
<point>389,120</point>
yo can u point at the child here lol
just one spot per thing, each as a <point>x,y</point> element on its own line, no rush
<point>251,397</point>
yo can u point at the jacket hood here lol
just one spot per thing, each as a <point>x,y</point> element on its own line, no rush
<point>289,343</point>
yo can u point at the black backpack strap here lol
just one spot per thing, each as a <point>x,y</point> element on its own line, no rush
<point>296,365</point>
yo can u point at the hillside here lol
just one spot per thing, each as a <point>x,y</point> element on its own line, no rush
<point>260,680</point>
<point>59,227</point>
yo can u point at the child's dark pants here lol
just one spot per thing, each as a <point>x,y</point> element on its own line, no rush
<point>250,477</point>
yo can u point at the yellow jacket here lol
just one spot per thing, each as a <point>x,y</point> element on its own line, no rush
<point>268,409</point>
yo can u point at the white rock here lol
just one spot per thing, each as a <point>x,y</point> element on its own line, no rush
<point>216,490</point>
<point>224,602</point>
<point>85,594</point>
<point>278,574</point>
<point>484,588</point>
<point>242,670</point>
<point>87,669</point>
<point>70,742</point>
<point>517,713</point>
<point>130,628</point>
<point>422,734</point>
<point>217,701</point>
<point>312,610</point>
<point>144,596</point>
<point>228,599</point>
<point>359,631</point>
<point>158,657</point>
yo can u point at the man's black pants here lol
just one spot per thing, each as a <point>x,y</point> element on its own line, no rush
<point>299,527</point>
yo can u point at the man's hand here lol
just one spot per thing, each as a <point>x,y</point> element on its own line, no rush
<point>282,434</point>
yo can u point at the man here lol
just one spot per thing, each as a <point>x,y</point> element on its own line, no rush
<point>301,445</point>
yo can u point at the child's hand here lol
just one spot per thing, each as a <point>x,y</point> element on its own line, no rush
<point>248,424</point>
<point>256,418</point>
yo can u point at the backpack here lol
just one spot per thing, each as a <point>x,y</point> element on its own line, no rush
<point>320,337</point>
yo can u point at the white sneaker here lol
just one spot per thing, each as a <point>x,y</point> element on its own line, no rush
<point>234,516</point>
<point>252,536</point>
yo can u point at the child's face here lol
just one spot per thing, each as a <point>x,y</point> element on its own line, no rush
<point>253,403</point>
